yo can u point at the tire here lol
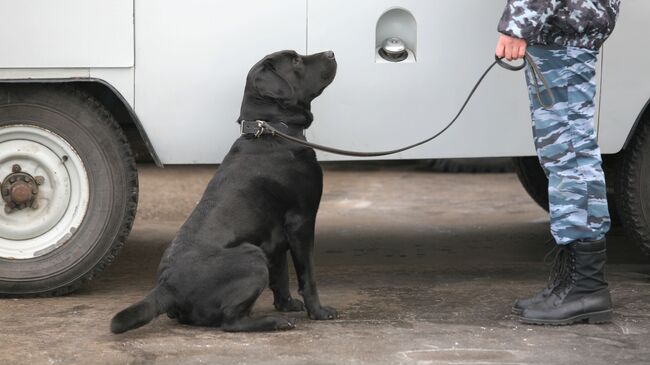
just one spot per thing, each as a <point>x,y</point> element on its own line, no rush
<point>97,183</point>
<point>473,165</point>
<point>633,187</point>
<point>533,179</point>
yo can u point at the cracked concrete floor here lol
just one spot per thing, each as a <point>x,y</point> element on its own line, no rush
<point>422,267</point>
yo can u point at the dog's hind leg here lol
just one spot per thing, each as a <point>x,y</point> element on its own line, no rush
<point>236,314</point>
<point>279,284</point>
<point>258,324</point>
<point>249,276</point>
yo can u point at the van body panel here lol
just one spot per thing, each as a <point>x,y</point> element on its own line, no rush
<point>66,33</point>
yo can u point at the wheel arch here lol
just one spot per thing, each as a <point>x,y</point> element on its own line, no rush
<point>643,117</point>
<point>115,103</point>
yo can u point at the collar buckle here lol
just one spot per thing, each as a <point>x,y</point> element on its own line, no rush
<point>254,127</point>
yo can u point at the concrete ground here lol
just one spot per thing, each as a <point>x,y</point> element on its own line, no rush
<point>422,267</point>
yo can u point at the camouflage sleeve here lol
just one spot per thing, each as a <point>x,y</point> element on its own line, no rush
<point>526,18</point>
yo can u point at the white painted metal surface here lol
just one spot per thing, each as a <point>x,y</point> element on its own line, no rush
<point>192,60</point>
<point>192,57</point>
<point>66,33</point>
<point>373,106</point>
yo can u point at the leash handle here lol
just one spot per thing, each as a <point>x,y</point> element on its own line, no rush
<point>536,75</point>
<point>508,66</point>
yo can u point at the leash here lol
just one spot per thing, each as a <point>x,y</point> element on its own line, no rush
<point>260,127</point>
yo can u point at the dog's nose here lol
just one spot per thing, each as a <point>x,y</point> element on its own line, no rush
<point>329,54</point>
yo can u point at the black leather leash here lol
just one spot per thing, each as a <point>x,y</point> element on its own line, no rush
<point>260,127</point>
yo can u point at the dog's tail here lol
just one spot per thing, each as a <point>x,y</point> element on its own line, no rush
<point>141,313</point>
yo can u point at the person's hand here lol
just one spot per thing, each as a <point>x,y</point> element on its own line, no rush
<point>511,48</point>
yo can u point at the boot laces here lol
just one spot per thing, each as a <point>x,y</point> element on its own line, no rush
<point>563,269</point>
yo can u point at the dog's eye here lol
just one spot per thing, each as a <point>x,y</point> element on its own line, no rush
<point>297,61</point>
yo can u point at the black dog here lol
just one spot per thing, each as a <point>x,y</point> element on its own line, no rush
<point>260,204</point>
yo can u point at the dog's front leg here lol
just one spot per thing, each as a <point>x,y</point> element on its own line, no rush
<point>279,284</point>
<point>300,233</point>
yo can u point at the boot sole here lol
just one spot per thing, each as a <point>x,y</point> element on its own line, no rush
<point>516,311</point>
<point>591,318</point>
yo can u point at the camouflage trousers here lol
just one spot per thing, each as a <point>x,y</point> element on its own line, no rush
<point>566,143</point>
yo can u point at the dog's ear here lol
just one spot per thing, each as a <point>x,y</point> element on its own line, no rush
<point>269,83</point>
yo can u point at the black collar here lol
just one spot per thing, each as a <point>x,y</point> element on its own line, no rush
<point>254,128</point>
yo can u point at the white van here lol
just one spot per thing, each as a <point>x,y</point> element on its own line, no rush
<point>86,84</point>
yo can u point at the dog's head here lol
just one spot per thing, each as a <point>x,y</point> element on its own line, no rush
<point>282,86</point>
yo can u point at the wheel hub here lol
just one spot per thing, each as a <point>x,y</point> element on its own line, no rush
<point>44,190</point>
<point>20,189</point>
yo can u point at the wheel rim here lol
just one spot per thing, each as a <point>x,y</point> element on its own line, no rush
<point>58,205</point>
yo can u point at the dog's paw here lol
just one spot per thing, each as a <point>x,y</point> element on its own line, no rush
<point>323,313</point>
<point>284,324</point>
<point>291,305</point>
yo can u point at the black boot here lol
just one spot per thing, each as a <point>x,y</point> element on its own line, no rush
<point>581,294</point>
<point>554,279</point>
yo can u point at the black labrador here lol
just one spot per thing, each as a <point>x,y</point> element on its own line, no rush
<point>261,203</point>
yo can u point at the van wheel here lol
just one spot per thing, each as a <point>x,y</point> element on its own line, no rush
<point>69,189</point>
<point>533,179</point>
<point>633,187</point>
